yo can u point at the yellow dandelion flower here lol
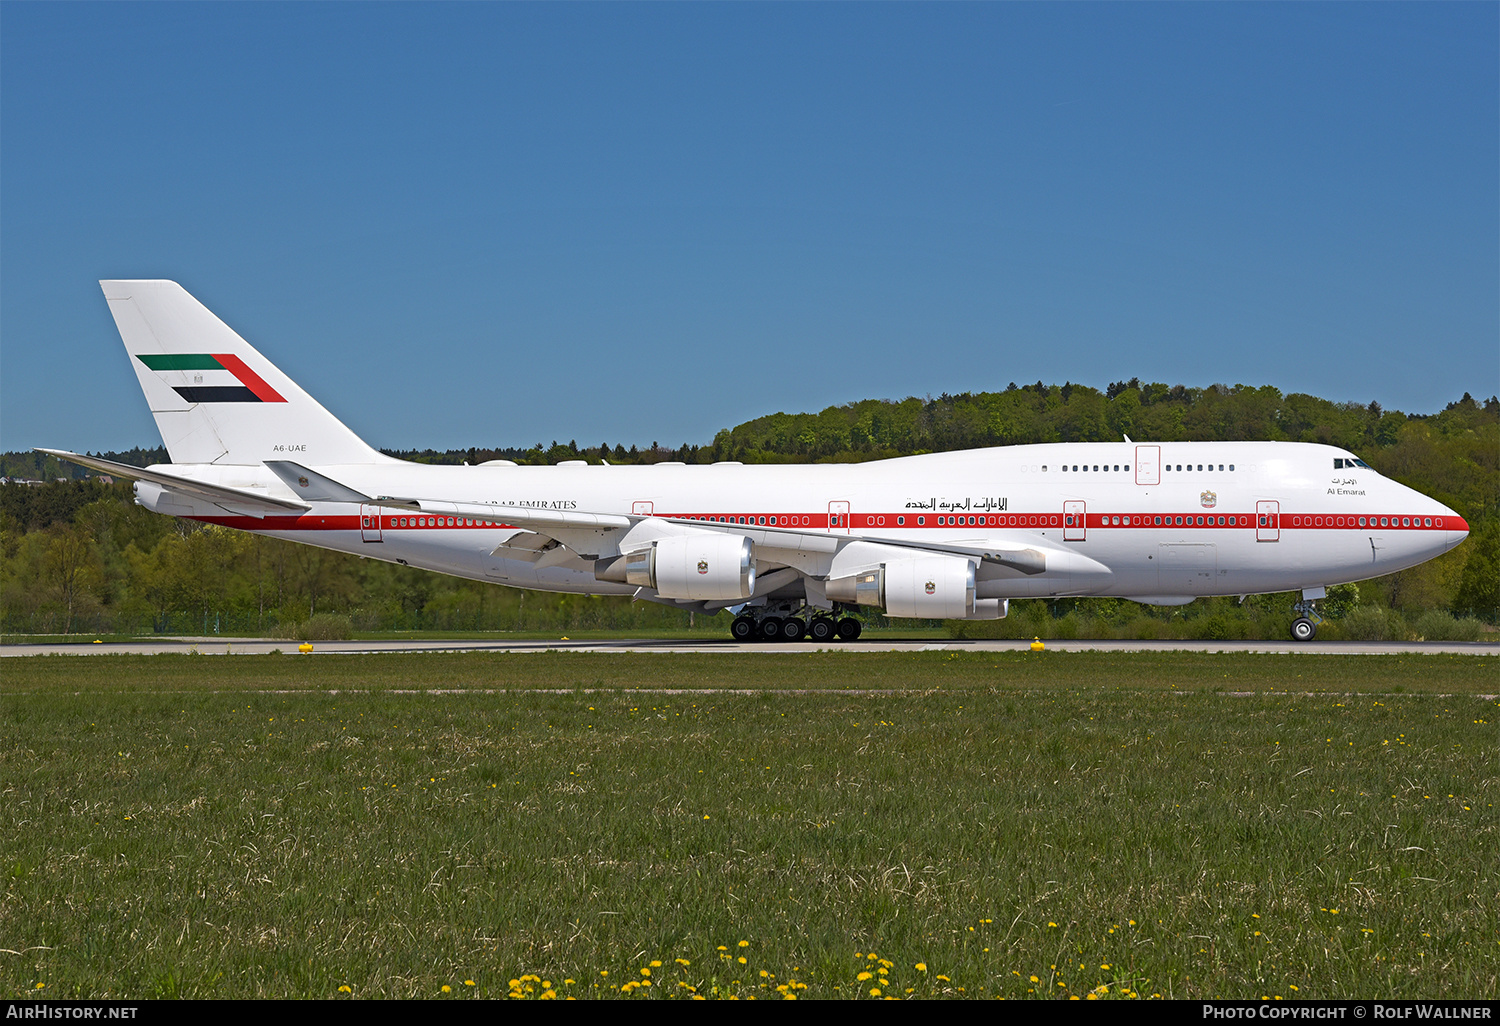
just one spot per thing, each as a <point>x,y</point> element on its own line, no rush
<point>447,989</point>
<point>744,944</point>
<point>921,967</point>
<point>346,989</point>
<point>862,977</point>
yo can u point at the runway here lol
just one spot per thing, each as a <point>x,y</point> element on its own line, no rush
<point>261,646</point>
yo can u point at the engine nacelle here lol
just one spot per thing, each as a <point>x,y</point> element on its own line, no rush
<point>930,587</point>
<point>706,567</point>
<point>924,587</point>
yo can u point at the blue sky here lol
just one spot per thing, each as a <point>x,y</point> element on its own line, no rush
<point>498,224</point>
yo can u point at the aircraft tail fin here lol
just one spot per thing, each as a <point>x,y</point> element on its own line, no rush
<point>215,398</point>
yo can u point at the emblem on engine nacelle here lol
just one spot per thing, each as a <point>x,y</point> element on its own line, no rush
<point>703,566</point>
<point>931,587</point>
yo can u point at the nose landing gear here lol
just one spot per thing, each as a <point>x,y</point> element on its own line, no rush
<point>1305,626</point>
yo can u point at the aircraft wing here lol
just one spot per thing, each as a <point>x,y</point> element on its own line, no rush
<point>561,524</point>
<point>583,532</point>
<point>1028,559</point>
<point>240,499</point>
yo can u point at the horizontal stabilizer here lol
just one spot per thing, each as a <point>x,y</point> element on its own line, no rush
<point>214,493</point>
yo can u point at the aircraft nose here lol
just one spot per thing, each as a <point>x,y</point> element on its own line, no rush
<point>1457,528</point>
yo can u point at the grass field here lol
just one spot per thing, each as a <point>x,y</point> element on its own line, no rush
<point>974,825</point>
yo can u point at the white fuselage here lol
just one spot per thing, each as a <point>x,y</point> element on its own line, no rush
<point>1117,519</point>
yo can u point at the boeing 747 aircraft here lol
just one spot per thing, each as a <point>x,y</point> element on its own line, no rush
<point>790,549</point>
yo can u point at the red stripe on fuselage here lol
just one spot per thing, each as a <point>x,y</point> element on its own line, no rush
<point>866,521</point>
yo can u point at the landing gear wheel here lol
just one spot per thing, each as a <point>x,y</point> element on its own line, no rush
<point>743,629</point>
<point>770,629</point>
<point>1303,629</point>
<point>792,629</point>
<point>849,628</point>
<point>822,629</point>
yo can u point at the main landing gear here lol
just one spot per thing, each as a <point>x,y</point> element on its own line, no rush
<point>787,624</point>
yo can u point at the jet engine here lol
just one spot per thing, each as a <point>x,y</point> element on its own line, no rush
<point>698,567</point>
<point>926,587</point>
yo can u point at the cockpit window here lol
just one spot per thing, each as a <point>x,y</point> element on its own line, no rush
<point>1349,463</point>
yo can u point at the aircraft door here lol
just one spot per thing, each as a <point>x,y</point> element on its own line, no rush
<point>1267,521</point>
<point>1148,464</point>
<point>1075,521</point>
<point>642,509</point>
<point>369,523</point>
<point>838,517</point>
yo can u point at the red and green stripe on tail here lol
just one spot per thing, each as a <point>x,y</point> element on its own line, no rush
<point>211,377</point>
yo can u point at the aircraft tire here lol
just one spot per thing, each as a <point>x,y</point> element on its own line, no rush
<point>793,629</point>
<point>743,629</point>
<point>849,629</point>
<point>770,629</point>
<point>1304,629</point>
<point>822,629</point>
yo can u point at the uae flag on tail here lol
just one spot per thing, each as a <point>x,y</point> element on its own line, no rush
<point>211,378</point>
